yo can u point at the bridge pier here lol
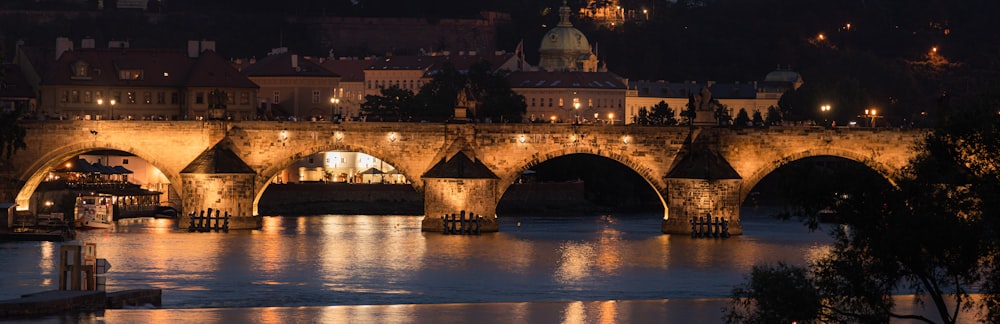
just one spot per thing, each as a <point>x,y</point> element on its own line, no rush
<point>458,184</point>
<point>220,180</point>
<point>691,198</point>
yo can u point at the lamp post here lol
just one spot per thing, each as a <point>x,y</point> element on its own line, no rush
<point>825,109</point>
<point>576,109</point>
<point>871,113</point>
<point>333,109</point>
<point>611,118</point>
<point>111,105</point>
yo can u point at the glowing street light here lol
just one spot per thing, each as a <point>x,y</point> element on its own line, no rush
<point>333,108</point>
<point>576,109</point>
<point>825,109</point>
<point>872,113</point>
<point>611,118</point>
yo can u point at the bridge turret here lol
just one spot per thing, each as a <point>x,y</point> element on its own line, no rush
<point>220,180</point>
<point>460,183</point>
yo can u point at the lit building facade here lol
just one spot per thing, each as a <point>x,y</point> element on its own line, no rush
<point>568,85</point>
<point>294,86</point>
<point>751,96</point>
<point>125,83</point>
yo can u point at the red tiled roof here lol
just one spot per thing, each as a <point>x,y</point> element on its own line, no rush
<point>161,68</point>
<point>281,65</point>
<point>349,70</point>
<point>542,79</point>
<point>212,70</point>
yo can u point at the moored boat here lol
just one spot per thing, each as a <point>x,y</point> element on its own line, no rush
<point>94,211</point>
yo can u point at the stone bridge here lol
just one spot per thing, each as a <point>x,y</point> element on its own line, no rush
<point>229,165</point>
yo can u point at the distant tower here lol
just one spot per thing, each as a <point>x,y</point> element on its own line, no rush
<point>565,48</point>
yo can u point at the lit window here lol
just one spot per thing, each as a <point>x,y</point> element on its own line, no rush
<point>130,74</point>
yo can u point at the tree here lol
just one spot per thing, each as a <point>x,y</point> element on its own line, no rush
<point>773,116</point>
<point>690,112</point>
<point>490,90</point>
<point>663,114</point>
<point>935,235</point>
<point>722,115</point>
<point>394,104</point>
<point>758,119</point>
<point>741,118</point>
<point>641,117</point>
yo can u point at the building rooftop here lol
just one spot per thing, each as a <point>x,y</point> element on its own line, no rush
<point>542,79</point>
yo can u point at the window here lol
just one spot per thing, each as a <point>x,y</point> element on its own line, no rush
<point>74,96</point>
<point>174,98</point>
<point>130,74</point>
<point>98,94</point>
<point>550,102</point>
<point>65,96</point>
<point>147,97</point>
<point>87,98</point>
<point>116,96</point>
<point>560,102</point>
<point>124,161</point>
<point>161,97</point>
<point>199,98</point>
<point>230,98</point>
<point>590,102</point>
<point>315,96</point>
<point>80,69</point>
<point>532,101</point>
<point>131,96</point>
<point>277,96</point>
<point>244,98</point>
<point>369,84</point>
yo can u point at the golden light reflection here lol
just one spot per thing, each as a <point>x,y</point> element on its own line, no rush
<point>574,313</point>
<point>270,315</point>
<point>48,257</point>
<point>575,262</point>
<point>608,312</point>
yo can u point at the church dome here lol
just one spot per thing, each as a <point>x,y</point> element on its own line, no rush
<point>563,45</point>
<point>783,75</point>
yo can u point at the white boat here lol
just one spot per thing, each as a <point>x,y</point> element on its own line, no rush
<point>94,211</point>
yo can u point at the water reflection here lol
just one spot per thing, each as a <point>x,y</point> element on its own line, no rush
<point>358,260</point>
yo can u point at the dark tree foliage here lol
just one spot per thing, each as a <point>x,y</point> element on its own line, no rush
<point>661,115</point>
<point>394,104</point>
<point>935,234</point>
<point>742,119</point>
<point>758,119</point>
<point>773,116</point>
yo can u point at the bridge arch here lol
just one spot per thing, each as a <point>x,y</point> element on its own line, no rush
<point>268,173</point>
<point>751,181</point>
<point>507,179</point>
<point>34,174</point>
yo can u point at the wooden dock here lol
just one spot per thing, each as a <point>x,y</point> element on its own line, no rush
<point>63,301</point>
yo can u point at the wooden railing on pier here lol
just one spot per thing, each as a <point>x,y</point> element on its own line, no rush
<point>705,226</point>
<point>205,223</point>
<point>460,224</point>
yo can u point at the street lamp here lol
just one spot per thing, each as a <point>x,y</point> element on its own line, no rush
<point>825,109</point>
<point>611,118</point>
<point>333,109</point>
<point>576,109</point>
<point>111,104</point>
<point>871,113</point>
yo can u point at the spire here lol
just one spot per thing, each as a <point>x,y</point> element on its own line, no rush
<point>564,16</point>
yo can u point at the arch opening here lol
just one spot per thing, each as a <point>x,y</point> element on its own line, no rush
<point>813,186</point>
<point>134,186</point>
<point>579,183</point>
<point>344,182</point>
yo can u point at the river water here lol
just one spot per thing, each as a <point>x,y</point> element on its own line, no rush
<point>387,260</point>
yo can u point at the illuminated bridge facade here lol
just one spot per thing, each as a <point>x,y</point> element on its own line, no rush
<point>228,165</point>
